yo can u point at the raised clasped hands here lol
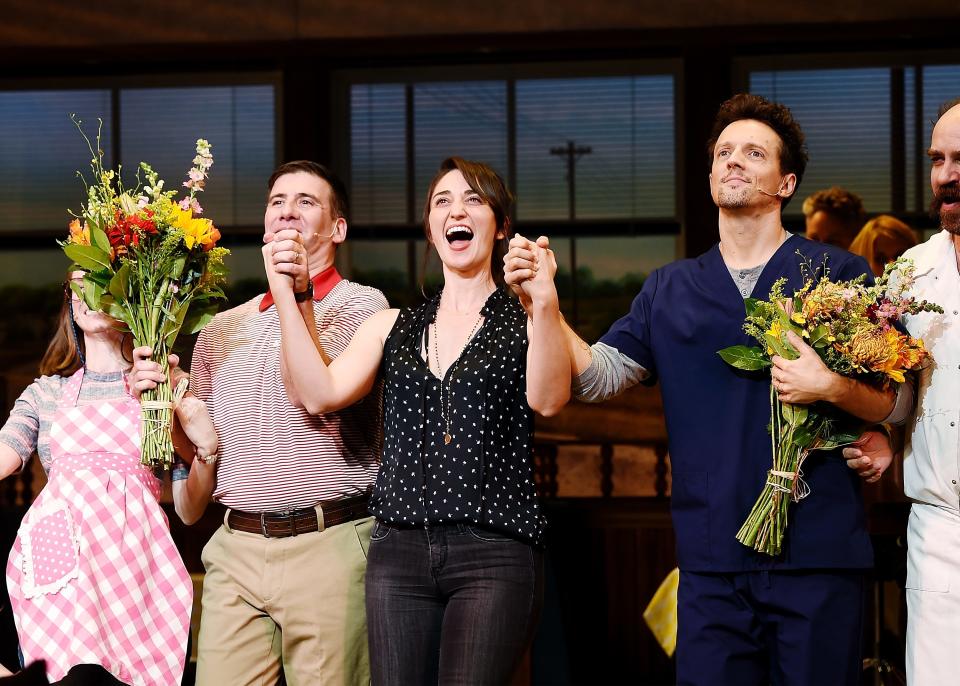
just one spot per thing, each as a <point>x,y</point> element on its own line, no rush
<point>285,261</point>
<point>529,268</point>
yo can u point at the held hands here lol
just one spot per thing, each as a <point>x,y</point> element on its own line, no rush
<point>804,380</point>
<point>529,268</point>
<point>870,455</point>
<point>285,261</point>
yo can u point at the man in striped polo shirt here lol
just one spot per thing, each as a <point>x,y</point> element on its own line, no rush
<point>285,574</point>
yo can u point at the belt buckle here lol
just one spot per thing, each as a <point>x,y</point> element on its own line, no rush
<point>263,525</point>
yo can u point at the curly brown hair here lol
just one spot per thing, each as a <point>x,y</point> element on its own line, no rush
<point>793,151</point>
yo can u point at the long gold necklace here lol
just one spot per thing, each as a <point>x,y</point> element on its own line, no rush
<point>445,412</point>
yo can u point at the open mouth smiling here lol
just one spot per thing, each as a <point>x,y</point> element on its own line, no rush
<point>459,233</point>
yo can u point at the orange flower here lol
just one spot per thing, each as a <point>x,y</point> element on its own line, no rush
<point>79,236</point>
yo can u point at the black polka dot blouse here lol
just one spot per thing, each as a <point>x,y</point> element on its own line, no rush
<point>484,475</point>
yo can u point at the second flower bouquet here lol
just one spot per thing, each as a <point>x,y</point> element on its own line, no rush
<point>852,328</point>
<point>152,264</point>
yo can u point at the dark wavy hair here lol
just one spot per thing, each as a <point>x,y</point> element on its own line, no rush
<point>486,183</point>
<point>793,151</point>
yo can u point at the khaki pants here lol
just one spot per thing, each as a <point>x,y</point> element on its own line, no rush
<point>296,601</point>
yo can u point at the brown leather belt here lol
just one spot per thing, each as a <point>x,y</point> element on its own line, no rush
<point>293,522</point>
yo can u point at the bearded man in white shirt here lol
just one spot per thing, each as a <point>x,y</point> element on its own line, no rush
<point>931,459</point>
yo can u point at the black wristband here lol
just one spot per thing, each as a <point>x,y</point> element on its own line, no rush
<point>305,294</point>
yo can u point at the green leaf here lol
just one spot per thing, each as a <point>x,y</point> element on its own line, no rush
<point>794,415</point>
<point>200,316</point>
<point>744,357</point>
<point>778,346</point>
<point>172,323</point>
<point>88,256</point>
<point>92,291</point>
<point>818,337</point>
<point>120,283</point>
<point>176,267</point>
<point>802,437</point>
<point>99,239</point>
<point>751,305</point>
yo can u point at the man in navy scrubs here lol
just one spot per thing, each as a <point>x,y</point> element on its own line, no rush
<point>744,617</point>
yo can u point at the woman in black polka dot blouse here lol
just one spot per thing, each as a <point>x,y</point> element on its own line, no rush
<point>453,575</point>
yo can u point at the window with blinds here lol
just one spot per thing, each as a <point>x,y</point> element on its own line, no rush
<point>161,126</point>
<point>845,115</point>
<point>378,166</point>
<point>42,152</point>
<point>626,123</point>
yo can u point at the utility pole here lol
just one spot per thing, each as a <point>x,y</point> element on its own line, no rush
<point>573,153</point>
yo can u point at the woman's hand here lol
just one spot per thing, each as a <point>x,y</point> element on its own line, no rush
<point>197,425</point>
<point>529,268</point>
<point>147,374</point>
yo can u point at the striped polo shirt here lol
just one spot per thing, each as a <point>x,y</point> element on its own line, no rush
<point>274,456</point>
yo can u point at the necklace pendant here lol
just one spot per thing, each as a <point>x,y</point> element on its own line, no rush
<point>447,438</point>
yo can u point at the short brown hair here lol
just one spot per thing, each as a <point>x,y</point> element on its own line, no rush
<point>340,201</point>
<point>840,203</point>
<point>486,183</point>
<point>793,152</point>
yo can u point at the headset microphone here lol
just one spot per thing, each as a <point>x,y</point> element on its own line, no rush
<point>756,183</point>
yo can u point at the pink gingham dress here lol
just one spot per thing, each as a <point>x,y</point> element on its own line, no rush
<point>94,576</point>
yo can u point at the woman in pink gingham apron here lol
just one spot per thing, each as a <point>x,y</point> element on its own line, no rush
<point>94,576</point>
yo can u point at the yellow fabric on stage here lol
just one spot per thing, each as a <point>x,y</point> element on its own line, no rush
<point>661,613</point>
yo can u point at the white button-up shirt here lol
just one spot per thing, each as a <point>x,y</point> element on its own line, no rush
<point>932,455</point>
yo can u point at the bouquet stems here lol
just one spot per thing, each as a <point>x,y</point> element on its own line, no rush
<point>766,524</point>
<point>156,418</point>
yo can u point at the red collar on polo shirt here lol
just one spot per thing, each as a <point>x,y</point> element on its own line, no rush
<point>323,283</point>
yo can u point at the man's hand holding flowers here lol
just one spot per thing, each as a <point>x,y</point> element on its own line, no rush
<point>807,380</point>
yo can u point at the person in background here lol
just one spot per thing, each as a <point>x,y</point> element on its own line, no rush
<point>94,577</point>
<point>882,240</point>
<point>833,216</point>
<point>454,576</point>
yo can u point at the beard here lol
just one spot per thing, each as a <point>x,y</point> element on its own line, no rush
<point>949,219</point>
<point>733,200</point>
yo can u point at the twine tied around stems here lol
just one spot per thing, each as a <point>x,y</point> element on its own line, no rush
<point>158,422</point>
<point>799,489</point>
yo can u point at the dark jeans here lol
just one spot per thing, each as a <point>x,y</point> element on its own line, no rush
<point>449,604</point>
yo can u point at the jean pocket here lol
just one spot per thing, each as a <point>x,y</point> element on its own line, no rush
<point>51,549</point>
<point>487,535</point>
<point>380,531</point>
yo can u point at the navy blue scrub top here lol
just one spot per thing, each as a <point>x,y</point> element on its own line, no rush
<point>717,417</point>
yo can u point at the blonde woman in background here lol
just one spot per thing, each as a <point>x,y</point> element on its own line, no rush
<point>881,240</point>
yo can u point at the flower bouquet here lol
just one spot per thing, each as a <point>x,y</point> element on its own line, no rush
<point>150,263</point>
<point>851,327</point>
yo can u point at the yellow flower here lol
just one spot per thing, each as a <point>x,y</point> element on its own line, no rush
<point>195,231</point>
<point>79,236</point>
<point>798,318</point>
